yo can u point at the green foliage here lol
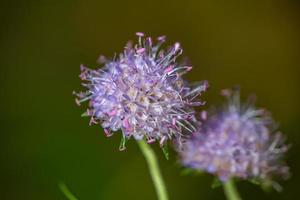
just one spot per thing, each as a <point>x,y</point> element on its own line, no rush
<point>165,150</point>
<point>193,172</point>
<point>123,141</point>
<point>254,181</point>
<point>267,186</point>
<point>216,183</point>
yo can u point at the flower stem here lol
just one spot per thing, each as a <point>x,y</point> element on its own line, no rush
<point>65,190</point>
<point>231,191</point>
<point>154,170</point>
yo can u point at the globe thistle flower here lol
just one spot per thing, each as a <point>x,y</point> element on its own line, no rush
<point>141,92</point>
<point>239,141</point>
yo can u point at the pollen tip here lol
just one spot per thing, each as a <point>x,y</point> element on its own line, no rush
<point>140,34</point>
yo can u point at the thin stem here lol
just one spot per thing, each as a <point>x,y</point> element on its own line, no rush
<point>65,190</point>
<point>231,191</point>
<point>154,170</point>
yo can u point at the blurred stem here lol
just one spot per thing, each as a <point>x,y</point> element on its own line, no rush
<point>65,190</point>
<point>154,170</point>
<point>231,191</point>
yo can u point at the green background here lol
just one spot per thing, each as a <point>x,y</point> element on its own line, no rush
<point>42,43</point>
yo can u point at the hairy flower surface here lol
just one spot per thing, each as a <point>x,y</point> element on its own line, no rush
<point>142,93</point>
<point>238,141</point>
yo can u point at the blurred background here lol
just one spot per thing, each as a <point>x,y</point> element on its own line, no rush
<point>42,43</point>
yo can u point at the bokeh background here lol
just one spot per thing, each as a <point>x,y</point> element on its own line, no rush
<point>42,43</point>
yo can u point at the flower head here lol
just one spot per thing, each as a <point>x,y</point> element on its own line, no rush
<point>142,93</point>
<point>238,141</point>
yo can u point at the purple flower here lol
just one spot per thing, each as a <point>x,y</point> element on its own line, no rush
<point>237,141</point>
<point>142,93</point>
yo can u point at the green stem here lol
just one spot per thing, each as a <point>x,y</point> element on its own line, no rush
<point>65,190</point>
<point>231,191</point>
<point>154,170</point>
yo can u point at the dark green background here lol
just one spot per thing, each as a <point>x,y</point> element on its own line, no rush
<point>42,43</point>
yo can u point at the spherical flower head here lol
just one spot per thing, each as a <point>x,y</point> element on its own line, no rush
<point>239,141</point>
<point>141,92</point>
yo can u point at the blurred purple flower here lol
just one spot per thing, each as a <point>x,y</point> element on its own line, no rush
<point>142,93</point>
<point>238,141</point>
